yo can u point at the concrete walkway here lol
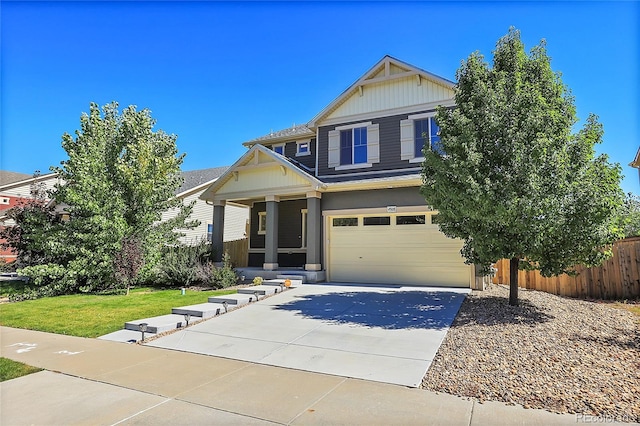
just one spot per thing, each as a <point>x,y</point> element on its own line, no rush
<point>388,334</point>
<point>91,381</point>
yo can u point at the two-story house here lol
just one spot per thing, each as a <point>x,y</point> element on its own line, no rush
<point>340,196</point>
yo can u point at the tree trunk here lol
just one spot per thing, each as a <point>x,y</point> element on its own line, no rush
<point>513,281</point>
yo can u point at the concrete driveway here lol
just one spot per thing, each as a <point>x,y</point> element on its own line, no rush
<point>386,334</point>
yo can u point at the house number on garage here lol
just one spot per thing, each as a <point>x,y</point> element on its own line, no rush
<point>391,209</point>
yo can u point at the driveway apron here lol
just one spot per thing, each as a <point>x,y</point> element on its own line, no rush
<point>386,334</point>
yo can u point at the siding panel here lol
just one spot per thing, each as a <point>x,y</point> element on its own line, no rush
<point>389,132</point>
<point>397,93</point>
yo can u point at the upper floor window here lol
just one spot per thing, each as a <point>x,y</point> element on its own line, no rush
<point>354,146</point>
<point>303,148</point>
<point>416,133</point>
<point>279,148</point>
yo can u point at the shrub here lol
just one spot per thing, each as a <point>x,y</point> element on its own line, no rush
<point>185,266</point>
<point>225,276</point>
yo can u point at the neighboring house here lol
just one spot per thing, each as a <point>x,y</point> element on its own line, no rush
<point>636,162</point>
<point>341,195</point>
<point>18,188</point>
<point>236,216</point>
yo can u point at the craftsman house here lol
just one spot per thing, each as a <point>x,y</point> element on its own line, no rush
<point>339,197</point>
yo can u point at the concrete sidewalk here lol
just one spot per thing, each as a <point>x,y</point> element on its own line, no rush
<point>91,381</point>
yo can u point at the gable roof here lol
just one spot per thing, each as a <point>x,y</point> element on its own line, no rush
<point>29,180</point>
<point>196,178</point>
<point>388,68</point>
<point>636,161</point>
<point>7,177</point>
<point>252,158</point>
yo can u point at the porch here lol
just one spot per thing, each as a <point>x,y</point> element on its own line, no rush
<point>249,273</point>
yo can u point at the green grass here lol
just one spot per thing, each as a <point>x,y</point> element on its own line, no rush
<point>96,315</point>
<point>10,369</point>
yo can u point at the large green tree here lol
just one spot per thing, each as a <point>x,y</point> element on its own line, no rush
<point>120,176</point>
<point>515,181</point>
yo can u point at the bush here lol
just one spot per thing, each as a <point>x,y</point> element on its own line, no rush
<point>183,266</point>
<point>226,276</point>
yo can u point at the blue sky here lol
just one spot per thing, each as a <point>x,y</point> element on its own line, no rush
<point>218,74</point>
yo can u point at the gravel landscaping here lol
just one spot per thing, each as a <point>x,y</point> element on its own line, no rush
<point>560,354</point>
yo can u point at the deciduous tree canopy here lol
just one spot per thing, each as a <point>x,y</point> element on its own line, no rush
<point>514,180</point>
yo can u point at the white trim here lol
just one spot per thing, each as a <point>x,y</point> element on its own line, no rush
<point>354,126</point>
<point>417,160</point>
<point>388,112</point>
<point>262,220</point>
<point>412,169</point>
<point>302,142</point>
<point>422,116</point>
<point>278,145</point>
<point>400,210</point>
<point>354,166</point>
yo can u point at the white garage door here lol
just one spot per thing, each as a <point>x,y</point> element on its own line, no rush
<point>394,249</point>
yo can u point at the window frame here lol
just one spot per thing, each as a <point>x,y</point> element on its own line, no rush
<point>262,223</point>
<point>279,145</point>
<point>418,157</point>
<point>299,144</point>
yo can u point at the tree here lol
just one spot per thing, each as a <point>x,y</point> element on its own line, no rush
<point>629,216</point>
<point>119,178</point>
<point>515,182</point>
<point>34,221</point>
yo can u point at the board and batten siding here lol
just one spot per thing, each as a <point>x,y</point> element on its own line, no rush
<point>389,146</point>
<point>235,219</point>
<point>385,95</point>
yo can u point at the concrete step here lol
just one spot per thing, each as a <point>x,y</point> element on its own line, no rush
<point>262,290</point>
<point>126,336</point>
<point>233,299</point>
<point>280,282</point>
<point>202,310</point>
<point>158,324</point>
<point>292,277</point>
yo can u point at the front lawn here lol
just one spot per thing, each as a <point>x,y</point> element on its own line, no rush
<point>10,369</point>
<point>96,315</point>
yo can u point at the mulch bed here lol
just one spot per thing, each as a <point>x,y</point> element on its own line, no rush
<point>556,353</point>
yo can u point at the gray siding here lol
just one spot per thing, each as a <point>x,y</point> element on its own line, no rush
<point>389,128</point>
<point>289,224</point>
<point>291,148</point>
<point>373,198</point>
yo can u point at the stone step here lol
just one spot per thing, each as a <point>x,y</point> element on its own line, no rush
<point>158,324</point>
<point>262,290</point>
<point>233,299</point>
<point>202,310</point>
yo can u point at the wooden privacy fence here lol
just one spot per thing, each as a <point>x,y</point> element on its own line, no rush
<point>617,278</point>
<point>239,252</point>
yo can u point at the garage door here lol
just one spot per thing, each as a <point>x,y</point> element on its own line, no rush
<point>394,249</point>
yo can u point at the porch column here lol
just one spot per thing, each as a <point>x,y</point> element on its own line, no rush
<point>314,234</point>
<point>217,237</point>
<point>271,237</point>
